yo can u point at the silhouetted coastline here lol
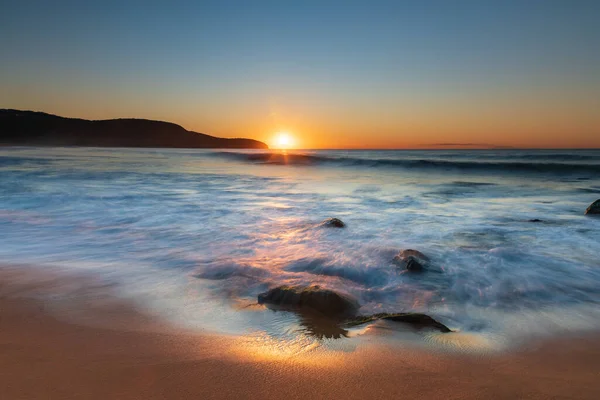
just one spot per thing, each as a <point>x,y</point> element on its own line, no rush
<point>30,128</point>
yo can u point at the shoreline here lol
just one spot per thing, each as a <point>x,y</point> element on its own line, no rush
<point>43,357</point>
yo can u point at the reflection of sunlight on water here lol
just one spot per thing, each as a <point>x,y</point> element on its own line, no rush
<point>296,252</point>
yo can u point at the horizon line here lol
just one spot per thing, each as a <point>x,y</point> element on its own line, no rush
<point>422,147</point>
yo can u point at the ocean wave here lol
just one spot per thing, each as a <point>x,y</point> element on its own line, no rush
<point>273,158</point>
<point>497,165</point>
<point>198,245</point>
<point>8,161</point>
<point>554,156</point>
<point>324,267</point>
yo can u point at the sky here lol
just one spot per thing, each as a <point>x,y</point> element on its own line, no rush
<point>335,74</point>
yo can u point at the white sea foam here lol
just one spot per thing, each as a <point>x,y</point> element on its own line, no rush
<point>191,235</point>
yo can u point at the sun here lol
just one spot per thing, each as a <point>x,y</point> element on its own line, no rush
<point>284,140</point>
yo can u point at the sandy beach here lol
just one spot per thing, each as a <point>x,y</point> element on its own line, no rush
<point>45,357</point>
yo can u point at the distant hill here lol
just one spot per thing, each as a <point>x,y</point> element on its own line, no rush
<point>29,128</point>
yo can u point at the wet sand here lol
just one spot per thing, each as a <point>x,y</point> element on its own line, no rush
<point>136,357</point>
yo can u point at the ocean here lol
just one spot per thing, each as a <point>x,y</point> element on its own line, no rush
<point>193,236</point>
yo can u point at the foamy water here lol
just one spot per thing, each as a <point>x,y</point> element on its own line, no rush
<point>194,236</point>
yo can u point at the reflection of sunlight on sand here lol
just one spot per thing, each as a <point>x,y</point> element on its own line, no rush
<point>262,347</point>
<point>299,348</point>
<point>463,342</point>
<point>306,350</point>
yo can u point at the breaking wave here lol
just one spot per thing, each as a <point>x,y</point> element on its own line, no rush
<point>527,163</point>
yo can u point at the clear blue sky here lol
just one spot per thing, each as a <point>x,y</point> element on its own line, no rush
<point>335,73</point>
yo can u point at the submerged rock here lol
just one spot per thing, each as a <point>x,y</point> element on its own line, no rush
<point>416,320</point>
<point>594,208</point>
<point>411,260</point>
<point>333,223</point>
<point>310,299</point>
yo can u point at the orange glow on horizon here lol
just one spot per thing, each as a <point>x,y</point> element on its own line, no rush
<point>283,140</point>
<point>455,126</point>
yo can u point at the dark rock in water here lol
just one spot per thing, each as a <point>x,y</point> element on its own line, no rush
<point>594,208</point>
<point>326,314</point>
<point>420,321</point>
<point>414,266</point>
<point>310,299</point>
<point>333,223</point>
<point>411,260</point>
<point>417,320</point>
<point>535,220</point>
<point>413,253</point>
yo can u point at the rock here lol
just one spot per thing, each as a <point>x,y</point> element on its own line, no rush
<point>311,299</point>
<point>413,253</point>
<point>326,314</point>
<point>333,223</point>
<point>414,266</point>
<point>416,320</point>
<point>411,260</point>
<point>594,208</point>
